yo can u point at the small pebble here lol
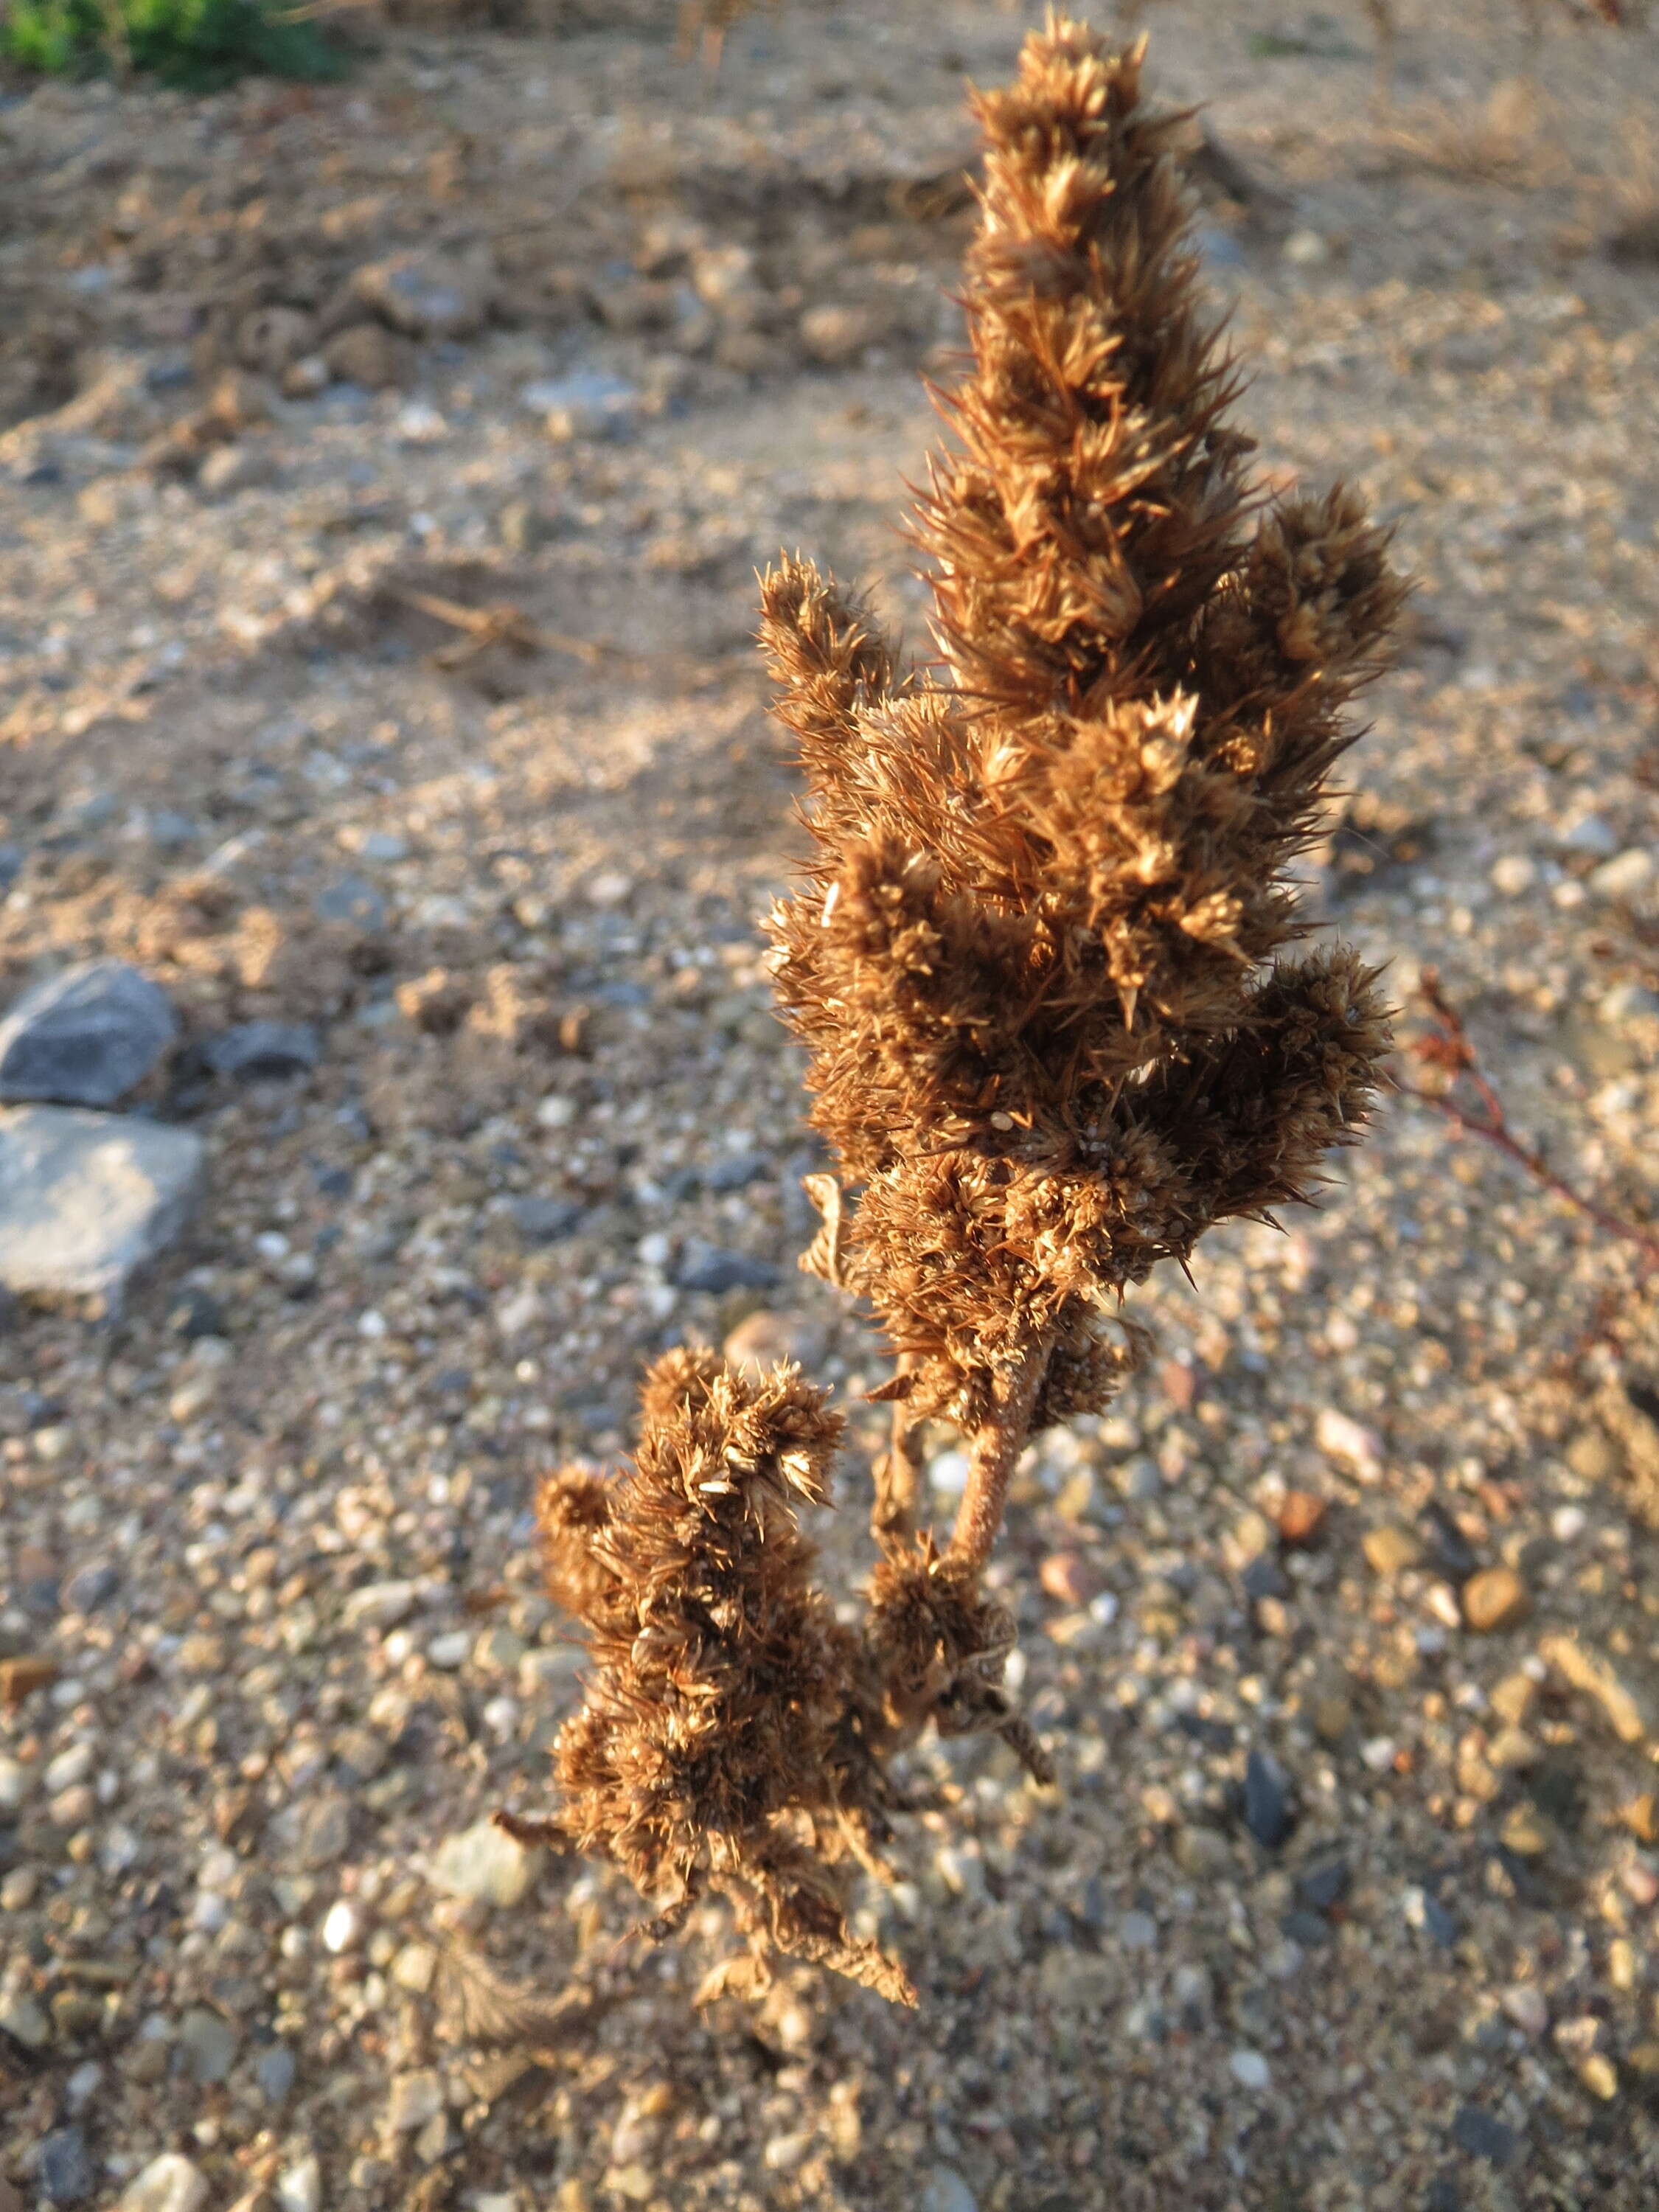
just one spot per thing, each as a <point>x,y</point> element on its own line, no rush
<point>20,2016</point>
<point>1356,1447</point>
<point>1323,1886</point>
<point>1484,2135</point>
<point>299,2186</point>
<point>378,1605</point>
<point>414,2099</point>
<point>1599,2077</point>
<point>1267,1814</point>
<point>1069,1576</point>
<point>1250,2069</point>
<point>342,1927</point>
<point>1524,2003</point>
<point>1301,1516</point>
<point>485,1863</point>
<point>168,2183</point>
<point>209,2044</point>
<point>1624,876</point>
<point>944,2190</point>
<point>1495,1599</point>
<point>273,2071</point>
<point>1390,1550</point>
<point>66,2173</point>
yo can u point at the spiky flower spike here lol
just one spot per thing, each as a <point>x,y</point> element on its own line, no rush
<point>721,1744</point>
<point>1040,961</point>
<point>1035,957</point>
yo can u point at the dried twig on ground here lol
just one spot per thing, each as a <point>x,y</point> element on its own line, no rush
<point>500,624</point>
<point>1041,959</point>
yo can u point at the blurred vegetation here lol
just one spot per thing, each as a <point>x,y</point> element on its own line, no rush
<point>196,44</point>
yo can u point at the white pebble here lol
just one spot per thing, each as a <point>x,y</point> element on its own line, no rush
<point>1250,2069</point>
<point>1348,1440</point>
<point>299,2186</point>
<point>1514,874</point>
<point>449,1650</point>
<point>167,2184</point>
<point>342,1926</point>
<point>1525,2003</point>
<point>1622,876</point>
<point>948,1473</point>
<point>500,1716</point>
<point>1305,249</point>
<point>68,1767</point>
<point>372,1324</point>
<point>378,1605</point>
<point>1568,1523</point>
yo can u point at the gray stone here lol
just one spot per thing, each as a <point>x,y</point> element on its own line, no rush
<point>544,1220</point>
<point>387,846</point>
<point>90,1586</point>
<point>485,1863</point>
<point>194,1314</point>
<point>325,1831</point>
<point>737,1171</point>
<point>167,2184</point>
<point>1629,1002</point>
<point>1484,2136</point>
<point>260,1052</point>
<point>86,1037</point>
<point>1217,248</point>
<point>230,469</point>
<point>208,2044</point>
<point>704,1268</point>
<point>1325,1884</point>
<point>353,898</point>
<point>587,405</point>
<point>1268,1813</point>
<point>415,2099</point>
<point>273,2071</point>
<point>944,2190</point>
<point>66,2171</point>
<point>426,294</point>
<point>170,830</point>
<point>87,1200</point>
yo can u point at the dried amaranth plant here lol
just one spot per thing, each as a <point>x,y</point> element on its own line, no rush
<point>1040,958</point>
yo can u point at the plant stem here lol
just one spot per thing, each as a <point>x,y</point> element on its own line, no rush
<point>996,1445</point>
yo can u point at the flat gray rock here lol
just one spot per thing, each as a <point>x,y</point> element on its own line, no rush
<point>86,1037</point>
<point>86,1199</point>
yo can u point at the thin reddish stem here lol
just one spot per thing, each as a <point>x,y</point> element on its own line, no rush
<point>1454,1049</point>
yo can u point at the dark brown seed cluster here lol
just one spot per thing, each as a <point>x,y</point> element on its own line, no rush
<point>1041,959</point>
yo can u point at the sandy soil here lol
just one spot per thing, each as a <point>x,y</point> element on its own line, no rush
<point>267,1530</point>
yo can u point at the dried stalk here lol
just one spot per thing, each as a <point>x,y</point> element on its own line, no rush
<point>1041,962</point>
<point>997,1445</point>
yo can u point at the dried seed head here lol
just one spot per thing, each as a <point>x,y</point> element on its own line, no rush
<point>1038,958</point>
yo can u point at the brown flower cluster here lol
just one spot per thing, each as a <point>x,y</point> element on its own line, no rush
<point>1041,961</point>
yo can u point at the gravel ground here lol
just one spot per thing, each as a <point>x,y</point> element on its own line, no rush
<point>1346,1896</point>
